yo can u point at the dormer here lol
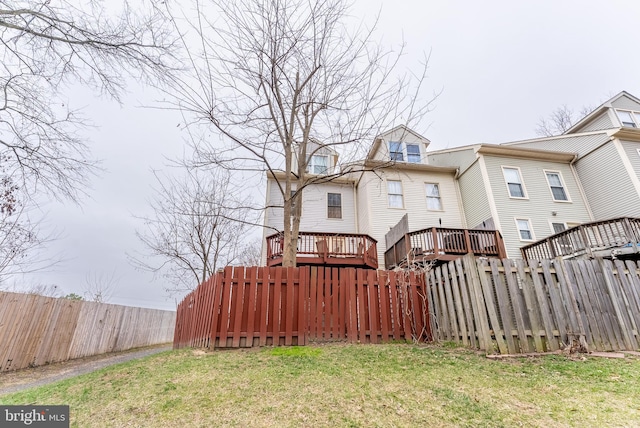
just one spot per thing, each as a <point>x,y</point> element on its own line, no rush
<point>621,111</point>
<point>321,158</point>
<point>399,144</point>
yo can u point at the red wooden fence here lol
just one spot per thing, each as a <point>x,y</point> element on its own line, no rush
<point>256,306</point>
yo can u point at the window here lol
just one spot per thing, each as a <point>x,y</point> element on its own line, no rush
<point>627,118</point>
<point>395,194</point>
<point>413,153</point>
<point>558,227</point>
<point>556,185</point>
<point>319,164</point>
<point>334,205</point>
<point>433,197</point>
<point>395,151</point>
<point>514,182</point>
<point>524,229</point>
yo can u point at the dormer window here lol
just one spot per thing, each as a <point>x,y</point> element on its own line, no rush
<point>629,119</point>
<point>398,150</point>
<point>319,164</point>
<point>395,151</point>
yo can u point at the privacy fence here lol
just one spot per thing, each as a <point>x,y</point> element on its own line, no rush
<point>535,306</point>
<point>37,330</point>
<point>244,307</point>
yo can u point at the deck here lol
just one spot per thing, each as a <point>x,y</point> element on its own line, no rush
<point>443,244</point>
<point>327,249</point>
<point>618,237</point>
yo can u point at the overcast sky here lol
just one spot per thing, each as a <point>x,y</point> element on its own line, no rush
<point>501,66</point>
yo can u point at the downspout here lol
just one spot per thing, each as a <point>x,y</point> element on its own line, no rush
<point>580,188</point>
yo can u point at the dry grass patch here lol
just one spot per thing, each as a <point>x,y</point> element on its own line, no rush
<point>349,385</point>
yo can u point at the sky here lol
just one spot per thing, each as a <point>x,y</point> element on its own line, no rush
<point>499,67</point>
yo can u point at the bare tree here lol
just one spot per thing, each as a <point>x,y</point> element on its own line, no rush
<point>198,226</point>
<point>269,77</point>
<point>99,286</point>
<point>560,121</point>
<point>46,45</point>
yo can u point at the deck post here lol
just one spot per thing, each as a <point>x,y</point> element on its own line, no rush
<point>467,242</point>
<point>434,235</point>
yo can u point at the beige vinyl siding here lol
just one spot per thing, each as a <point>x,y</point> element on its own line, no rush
<point>314,209</point>
<point>474,196</point>
<point>539,205</point>
<point>607,185</point>
<point>626,103</point>
<point>457,158</point>
<point>580,144</point>
<point>400,135</point>
<point>601,122</point>
<point>382,218</point>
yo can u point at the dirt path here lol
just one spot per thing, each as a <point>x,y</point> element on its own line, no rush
<point>28,378</point>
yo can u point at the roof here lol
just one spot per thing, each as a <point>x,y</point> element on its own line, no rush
<point>518,152</point>
<point>378,140</point>
<point>599,110</point>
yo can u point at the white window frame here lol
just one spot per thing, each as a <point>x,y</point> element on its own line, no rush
<point>406,145</point>
<point>329,206</point>
<point>533,236</point>
<point>506,183</point>
<point>562,182</point>
<point>552,222</point>
<point>311,166</point>
<point>439,196</point>
<point>635,117</point>
<point>401,152</point>
<point>395,194</point>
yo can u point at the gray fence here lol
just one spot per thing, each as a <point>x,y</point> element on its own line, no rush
<point>37,330</point>
<point>517,306</point>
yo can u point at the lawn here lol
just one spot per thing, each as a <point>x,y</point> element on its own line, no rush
<point>351,386</point>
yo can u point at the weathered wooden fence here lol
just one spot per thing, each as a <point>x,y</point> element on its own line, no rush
<point>536,306</point>
<point>244,307</point>
<point>37,330</point>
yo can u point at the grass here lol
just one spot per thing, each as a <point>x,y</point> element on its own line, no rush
<point>349,386</point>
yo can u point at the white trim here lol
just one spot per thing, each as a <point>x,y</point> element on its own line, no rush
<point>562,182</point>
<point>492,202</point>
<point>528,220</point>
<point>581,190</point>
<point>506,183</point>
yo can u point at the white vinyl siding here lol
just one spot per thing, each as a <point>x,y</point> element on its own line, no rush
<point>557,187</point>
<point>434,202</point>
<point>314,207</point>
<point>612,197</point>
<point>459,158</point>
<point>513,179</point>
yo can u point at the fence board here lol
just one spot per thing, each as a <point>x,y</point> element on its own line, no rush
<point>518,310</point>
<point>487,292</point>
<point>528,292</point>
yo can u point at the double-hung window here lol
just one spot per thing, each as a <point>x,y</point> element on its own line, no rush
<point>319,164</point>
<point>334,205</point>
<point>514,182</point>
<point>394,189</point>
<point>434,202</point>
<point>413,153</point>
<point>395,151</point>
<point>629,119</point>
<point>524,229</point>
<point>558,190</point>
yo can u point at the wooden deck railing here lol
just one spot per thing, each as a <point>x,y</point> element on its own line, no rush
<point>438,243</point>
<point>319,248</point>
<point>587,238</point>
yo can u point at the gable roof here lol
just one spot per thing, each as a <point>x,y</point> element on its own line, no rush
<point>380,137</point>
<point>599,111</point>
